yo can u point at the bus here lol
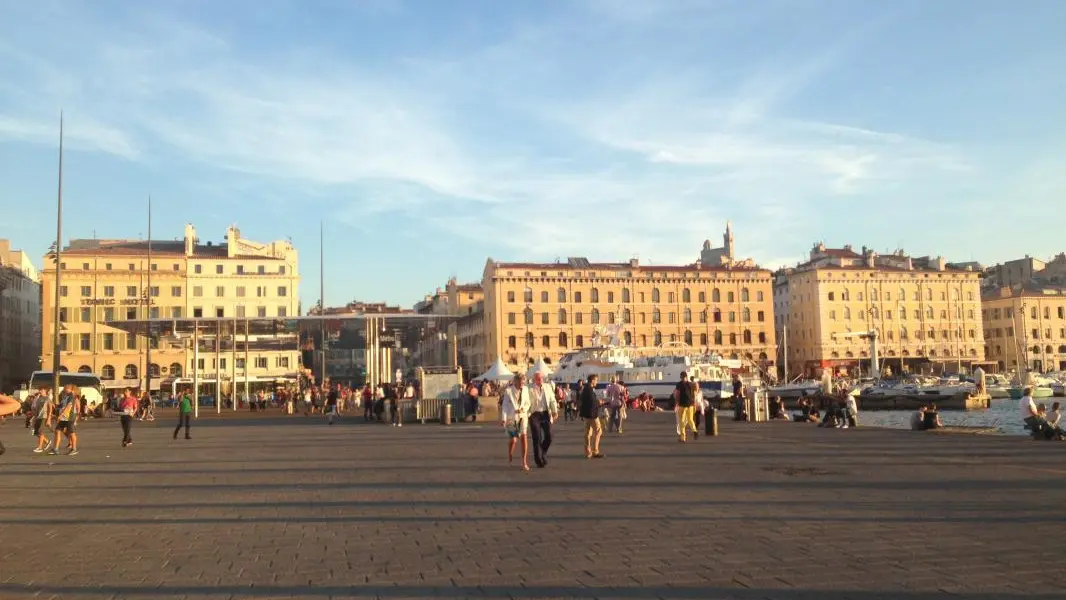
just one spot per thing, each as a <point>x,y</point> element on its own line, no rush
<point>90,385</point>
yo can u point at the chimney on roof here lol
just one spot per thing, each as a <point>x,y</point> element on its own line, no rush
<point>870,256</point>
<point>190,239</point>
<point>633,262</point>
<point>847,247</point>
<point>941,264</point>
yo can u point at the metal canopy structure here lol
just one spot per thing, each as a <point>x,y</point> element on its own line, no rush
<point>276,326</point>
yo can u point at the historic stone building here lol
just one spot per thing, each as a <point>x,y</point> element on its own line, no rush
<point>20,317</point>
<point>1025,327</point>
<point>543,310</point>
<point>107,281</point>
<point>926,313</point>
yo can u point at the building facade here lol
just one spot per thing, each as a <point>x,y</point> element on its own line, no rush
<point>20,317</point>
<point>107,281</point>
<point>1026,271</point>
<point>926,314</point>
<point>543,310</point>
<point>1025,327</point>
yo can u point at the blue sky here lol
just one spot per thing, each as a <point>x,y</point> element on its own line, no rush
<point>431,135</point>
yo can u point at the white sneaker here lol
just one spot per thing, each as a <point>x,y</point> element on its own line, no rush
<point>38,450</point>
<point>399,424</point>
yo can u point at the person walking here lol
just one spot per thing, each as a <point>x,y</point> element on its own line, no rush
<point>67,420</point>
<point>394,393</point>
<point>614,406</point>
<point>41,412</point>
<point>685,407</point>
<point>127,409</point>
<point>544,409</point>
<point>514,417</point>
<point>331,404</point>
<point>184,415</point>
<point>589,405</point>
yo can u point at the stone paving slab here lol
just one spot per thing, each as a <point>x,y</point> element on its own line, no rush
<point>276,507</point>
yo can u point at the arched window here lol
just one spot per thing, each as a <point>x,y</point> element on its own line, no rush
<point>656,316</point>
<point>153,370</point>
<point>63,369</point>
<point>625,294</point>
<point>717,316</point>
<point>628,337</point>
<point>717,338</point>
<point>545,342</point>
<point>512,342</point>
<point>673,337</point>
<point>562,316</point>
<point>610,318</point>
<point>761,316</point>
<point>175,369</point>
<point>627,317</point>
<point>703,316</point>
<point>595,316</point>
<point>758,296</point>
<point>562,340</point>
<point>130,372</point>
<point>658,338</point>
<point>744,295</point>
<point>108,372</point>
<point>733,339</point>
<point>561,295</point>
<point>655,294</point>
<point>528,316</point>
<point>847,313</point>
<point>747,336</point>
<point>845,295</point>
<point>729,297</point>
<point>873,313</point>
<point>703,339</point>
<point>579,341</point>
<point>702,297</point>
<point>686,295</point>
<point>527,296</point>
<point>745,315</point>
<point>529,340</point>
<point>902,333</point>
<point>688,337</point>
<point>762,337</point>
<point>873,295</point>
<point>595,295</point>
<point>716,296</point>
<point>85,369</point>
<point>686,315</point>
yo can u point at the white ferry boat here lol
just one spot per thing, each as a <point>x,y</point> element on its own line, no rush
<point>656,371</point>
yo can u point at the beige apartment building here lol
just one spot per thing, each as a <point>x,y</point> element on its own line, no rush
<point>543,310</point>
<point>458,340</point>
<point>107,281</point>
<point>927,313</point>
<point>20,317</point>
<point>1025,327</point>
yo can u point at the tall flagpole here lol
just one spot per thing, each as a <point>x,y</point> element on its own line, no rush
<point>148,311</point>
<point>322,294</point>
<point>59,269</point>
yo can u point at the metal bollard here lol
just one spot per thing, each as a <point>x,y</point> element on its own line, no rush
<point>712,422</point>
<point>446,414</point>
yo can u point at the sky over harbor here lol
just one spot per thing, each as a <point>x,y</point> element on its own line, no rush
<point>432,135</point>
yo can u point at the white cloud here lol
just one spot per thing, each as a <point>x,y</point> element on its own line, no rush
<point>79,134</point>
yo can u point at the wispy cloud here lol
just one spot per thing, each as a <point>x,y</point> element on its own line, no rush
<point>559,138</point>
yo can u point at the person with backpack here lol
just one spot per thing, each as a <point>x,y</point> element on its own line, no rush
<point>685,407</point>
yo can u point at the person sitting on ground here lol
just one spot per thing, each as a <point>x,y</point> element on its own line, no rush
<point>1027,407</point>
<point>931,418</point>
<point>777,409</point>
<point>834,416</point>
<point>918,418</point>
<point>808,413</point>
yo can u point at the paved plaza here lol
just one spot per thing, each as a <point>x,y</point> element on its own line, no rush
<point>275,507</point>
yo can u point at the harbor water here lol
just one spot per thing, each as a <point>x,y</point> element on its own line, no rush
<point>1003,416</point>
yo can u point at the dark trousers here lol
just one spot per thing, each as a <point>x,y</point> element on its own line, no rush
<point>368,410</point>
<point>540,429</point>
<point>183,420</point>
<point>126,420</point>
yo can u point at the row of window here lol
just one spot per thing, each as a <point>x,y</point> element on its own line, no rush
<point>107,372</point>
<point>890,335</point>
<point>594,296</point>
<point>1034,350</point>
<point>845,295</point>
<point>175,291</point>
<point>198,269</point>
<point>814,353</point>
<point>1036,334</point>
<point>657,339</point>
<point>627,317</point>
<point>875,314</point>
<point>108,314</point>
<point>1008,313</point>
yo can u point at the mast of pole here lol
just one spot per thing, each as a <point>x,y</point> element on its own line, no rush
<point>322,294</point>
<point>148,311</point>
<point>59,269</point>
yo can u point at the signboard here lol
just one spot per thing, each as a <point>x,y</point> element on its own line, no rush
<point>111,301</point>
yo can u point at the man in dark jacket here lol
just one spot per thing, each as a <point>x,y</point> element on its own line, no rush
<point>589,406</point>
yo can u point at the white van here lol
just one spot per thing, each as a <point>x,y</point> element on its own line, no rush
<point>90,385</point>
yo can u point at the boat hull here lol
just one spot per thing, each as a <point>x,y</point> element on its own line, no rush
<point>1038,392</point>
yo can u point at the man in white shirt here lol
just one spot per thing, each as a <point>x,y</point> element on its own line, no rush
<point>514,416</point>
<point>542,413</point>
<point>1027,409</point>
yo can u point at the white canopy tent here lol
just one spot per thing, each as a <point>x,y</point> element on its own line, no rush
<point>539,367</point>
<point>498,372</point>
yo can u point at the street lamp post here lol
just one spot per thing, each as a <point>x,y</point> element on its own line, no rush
<point>59,269</point>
